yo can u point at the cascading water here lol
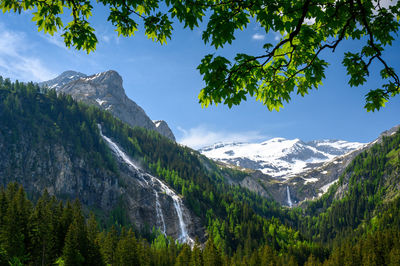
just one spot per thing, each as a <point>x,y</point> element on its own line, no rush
<point>289,200</point>
<point>160,215</point>
<point>184,236</point>
<point>122,155</point>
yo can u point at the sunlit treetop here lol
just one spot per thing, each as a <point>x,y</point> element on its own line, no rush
<point>293,65</point>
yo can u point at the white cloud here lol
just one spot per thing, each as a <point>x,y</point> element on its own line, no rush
<point>106,38</point>
<point>16,59</point>
<point>56,39</point>
<point>202,136</point>
<point>258,37</point>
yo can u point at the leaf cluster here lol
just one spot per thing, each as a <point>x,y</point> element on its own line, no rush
<point>293,65</point>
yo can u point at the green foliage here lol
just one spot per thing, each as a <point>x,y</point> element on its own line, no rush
<point>45,117</point>
<point>370,181</point>
<point>231,214</point>
<point>242,227</point>
<point>30,234</point>
<point>127,250</point>
<point>293,65</point>
<point>50,118</point>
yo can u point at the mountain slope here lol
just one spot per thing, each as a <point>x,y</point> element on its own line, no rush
<point>105,90</point>
<point>134,176</point>
<point>367,186</point>
<point>54,143</point>
<point>306,180</point>
<point>128,175</point>
<point>315,182</point>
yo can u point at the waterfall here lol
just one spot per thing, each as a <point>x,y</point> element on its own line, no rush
<point>160,216</point>
<point>289,201</point>
<point>122,155</point>
<point>184,236</point>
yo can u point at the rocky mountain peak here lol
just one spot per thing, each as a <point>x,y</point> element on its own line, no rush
<point>106,90</point>
<point>97,86</point>
<point>111,77</point>
<point>62,79</point>
<point>70,73</point>
<point>164,129</point>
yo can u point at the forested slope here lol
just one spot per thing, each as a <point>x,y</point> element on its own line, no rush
<point>33,119</point>
<point>357,218</point>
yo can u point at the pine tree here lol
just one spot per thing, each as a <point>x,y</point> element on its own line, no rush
<point>268,256</point>
<point>211,255</point>
<point>15,231</point>
<point>183,258</point>
<point>394,255</point>
<point>71,253</point>
<point>93,254</point>
<point>127,250</point>
<point>312,261</point>
<point>42,232</point>
<point>75,251</point>
<point>196,259</point>
<point>108,245</point>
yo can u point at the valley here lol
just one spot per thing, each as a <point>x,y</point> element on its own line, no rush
<point>141,197</point>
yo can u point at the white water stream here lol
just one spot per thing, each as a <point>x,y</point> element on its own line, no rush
<point>184,236</point>
<point>160,215</point>
<point>289,200</point>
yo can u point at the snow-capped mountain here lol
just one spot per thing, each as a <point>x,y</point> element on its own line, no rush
<point>279,157</point>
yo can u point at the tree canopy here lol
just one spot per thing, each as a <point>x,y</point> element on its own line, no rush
<point>292,65</point>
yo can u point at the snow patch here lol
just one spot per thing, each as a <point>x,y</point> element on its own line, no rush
<point>157,123</point>
<point>100,102</point>
<point>327,186</point>
<point>92,77</point>
<point>310,180</point>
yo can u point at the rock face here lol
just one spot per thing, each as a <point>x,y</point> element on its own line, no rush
<point>150,201</point>
<point>163,128</point>
<point>106,91</point>
<point>40,165</point>
<point>147,202</point>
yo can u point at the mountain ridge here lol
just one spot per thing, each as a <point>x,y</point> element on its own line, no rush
<point>105,90</point>
<point>279,157</point>
<point>310,183</point>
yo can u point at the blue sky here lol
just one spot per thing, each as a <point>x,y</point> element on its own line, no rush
<point>164,81</point>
